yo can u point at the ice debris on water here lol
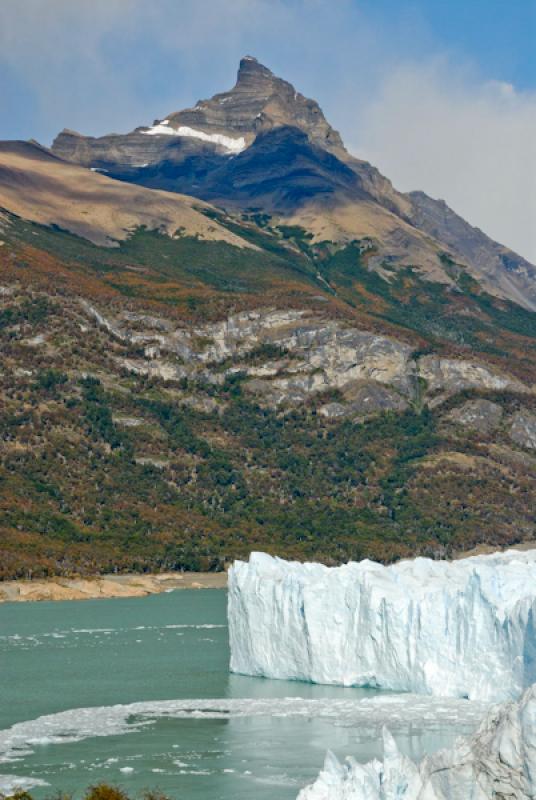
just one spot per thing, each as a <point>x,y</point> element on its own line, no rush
<point>499,761</point>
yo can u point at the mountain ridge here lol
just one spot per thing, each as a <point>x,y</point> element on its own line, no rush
<point>267,117</point>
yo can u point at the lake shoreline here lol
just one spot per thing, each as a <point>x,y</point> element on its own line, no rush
<point>107,586</point>
<point>138,585</point>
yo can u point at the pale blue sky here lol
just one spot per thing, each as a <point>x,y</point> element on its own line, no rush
<point>440,94</point>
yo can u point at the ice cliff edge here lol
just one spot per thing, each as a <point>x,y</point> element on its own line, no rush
<point>499,761</point>
<point>459,629</point>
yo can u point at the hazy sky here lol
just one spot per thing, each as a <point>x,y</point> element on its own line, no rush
<point>439,94</point>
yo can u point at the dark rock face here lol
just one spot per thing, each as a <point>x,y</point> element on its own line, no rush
<point>280,171</point>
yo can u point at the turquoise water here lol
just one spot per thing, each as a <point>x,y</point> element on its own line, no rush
<point>196,732</point>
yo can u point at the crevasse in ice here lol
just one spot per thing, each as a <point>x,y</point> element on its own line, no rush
<point>459,629</point>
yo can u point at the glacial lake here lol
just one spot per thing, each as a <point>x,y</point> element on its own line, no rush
<point>137,692</point>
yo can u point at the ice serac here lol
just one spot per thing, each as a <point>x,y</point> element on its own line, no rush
<point>499,762</point>
<point>458,629</point>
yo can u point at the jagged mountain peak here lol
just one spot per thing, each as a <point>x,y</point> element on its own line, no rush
<point>259,101</point>
<point>228,122</point>
<point>250,68</point>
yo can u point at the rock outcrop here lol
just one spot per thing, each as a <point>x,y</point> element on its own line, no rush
<point>481,416</point>
<point>365,399</point>
<point>460,374</point>
<point>375,373</point>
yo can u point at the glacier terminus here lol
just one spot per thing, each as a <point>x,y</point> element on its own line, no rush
<point>459,629</point>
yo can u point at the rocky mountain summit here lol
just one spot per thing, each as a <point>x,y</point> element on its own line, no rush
<point>229,122</point>
<point>264,147</point>
<point>259,102</point>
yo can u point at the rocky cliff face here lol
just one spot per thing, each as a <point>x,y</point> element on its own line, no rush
<point>314,355</point>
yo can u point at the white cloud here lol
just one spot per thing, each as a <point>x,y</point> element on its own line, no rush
<point>108,65</point>
<point>435,127</point>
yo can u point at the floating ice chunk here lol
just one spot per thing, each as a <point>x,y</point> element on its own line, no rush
<point>499,761</point>
<point>460,629</point>
<point>232,145</point>
<point>397,778</point>
<point>402,712</point>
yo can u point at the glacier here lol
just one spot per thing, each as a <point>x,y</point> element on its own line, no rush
<point>498,761</point>
<point>458,629</point>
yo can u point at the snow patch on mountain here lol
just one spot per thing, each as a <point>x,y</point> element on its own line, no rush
<point>460,629</point>
<point>232,145</point>
<point>499,761</point>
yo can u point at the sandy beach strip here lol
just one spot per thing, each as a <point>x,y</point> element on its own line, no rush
<point>107,586</point>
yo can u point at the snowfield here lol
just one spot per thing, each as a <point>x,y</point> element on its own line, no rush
<point>499,761</point>
<point>457,629</point>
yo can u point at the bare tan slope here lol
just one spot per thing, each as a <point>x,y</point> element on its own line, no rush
<point>395,242</point>
<point>38,186</point>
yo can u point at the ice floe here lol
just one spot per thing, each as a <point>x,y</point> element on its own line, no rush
<point>77,724</point>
